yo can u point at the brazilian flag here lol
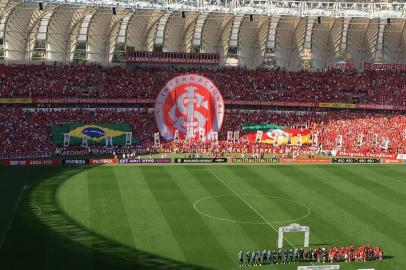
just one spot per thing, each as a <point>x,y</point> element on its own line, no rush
<point>96,133</point>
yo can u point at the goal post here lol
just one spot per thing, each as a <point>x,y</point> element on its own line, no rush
<point>294,228</point>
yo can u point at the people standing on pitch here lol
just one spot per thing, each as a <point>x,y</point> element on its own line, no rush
<point>241,258</point>
<point>279,256</point>
<point>252,258</point>
<point>258,257</point>
<point>269,256</point>
<point>316,255</point>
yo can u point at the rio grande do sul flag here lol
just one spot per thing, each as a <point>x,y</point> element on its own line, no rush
<point>279,134</point>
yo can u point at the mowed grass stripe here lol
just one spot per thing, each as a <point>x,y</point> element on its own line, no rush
<point>373,227</point>
<point>349,202</point>
<point>214,187</point>
<point>11,193</point>
<point>365,191</point>
<point>107,214</point>
<point>322,182</point>
<point>343,227</point>
<point>375,223</point>
<point>247,181</point>
<point>46,255</point>
<point>340,226</point>
<point>324,228</point>
<point>203,185</point>
<point>73,197</point>
<point>381,207</point>
<point>382,183</point>
<point>195,239</point>
<point>263,235</point>
<point>149,228</point>
<point>394,171</point>
<point>374,183</point>
<point>231,236</point>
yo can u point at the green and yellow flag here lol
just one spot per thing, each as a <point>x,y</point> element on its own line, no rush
<point>273,133</point>
<point>95,133</point>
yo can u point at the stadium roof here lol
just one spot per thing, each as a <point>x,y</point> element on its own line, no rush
<point>382,9</point>
<point>250,32</point>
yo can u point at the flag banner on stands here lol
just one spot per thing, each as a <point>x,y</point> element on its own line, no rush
<point>95,134</point>
<point>315,139</point>
<point>176,136</point>
<point>236,136</point>
<point>214,137</point>
<point>264,127</point>
<point>189,103</point>
<point>278,135</point>
<point>157,139</point>
<point>229,136</point>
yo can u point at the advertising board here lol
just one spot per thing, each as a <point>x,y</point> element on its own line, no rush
<point>32,162</point>
<point>144,160</point>
<point>200,160</point>
<point>306,160</point>
<point>255,160</point>
<point>356,160</point>
<point>75,162</point>
<point>102,161</point>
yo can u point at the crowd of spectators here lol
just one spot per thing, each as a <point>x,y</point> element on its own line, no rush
<point>90,80</point>
<point>329,125</point>
<point>25,131</point>
<point>31,80</point>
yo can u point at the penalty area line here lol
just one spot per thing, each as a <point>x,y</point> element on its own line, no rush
<point>250,206</point>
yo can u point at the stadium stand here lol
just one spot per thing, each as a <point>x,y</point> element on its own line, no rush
<point>26,133</point>
<point>346,86</point>
<point>88,83</point>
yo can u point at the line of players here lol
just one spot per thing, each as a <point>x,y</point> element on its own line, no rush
<point>319,255</point>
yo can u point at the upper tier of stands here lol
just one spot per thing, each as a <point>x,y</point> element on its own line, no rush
<point>375,87</point>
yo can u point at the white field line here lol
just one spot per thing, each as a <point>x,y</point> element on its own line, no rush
<point>12,217</point>
<point>249,222</point>
<point>250,206</point>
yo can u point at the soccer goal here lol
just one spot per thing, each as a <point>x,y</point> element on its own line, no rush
<point>294,228</point>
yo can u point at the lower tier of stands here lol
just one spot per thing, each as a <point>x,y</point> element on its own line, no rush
<point>27,132</point>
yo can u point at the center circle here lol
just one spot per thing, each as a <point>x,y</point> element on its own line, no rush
<point>251,209</point>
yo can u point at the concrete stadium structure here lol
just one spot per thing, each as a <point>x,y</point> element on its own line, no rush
<point>247,33</point>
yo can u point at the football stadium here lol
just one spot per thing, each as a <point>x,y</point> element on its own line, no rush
<point>202,134</point>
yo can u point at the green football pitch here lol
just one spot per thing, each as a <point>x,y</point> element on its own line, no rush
<point>195,216</point>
